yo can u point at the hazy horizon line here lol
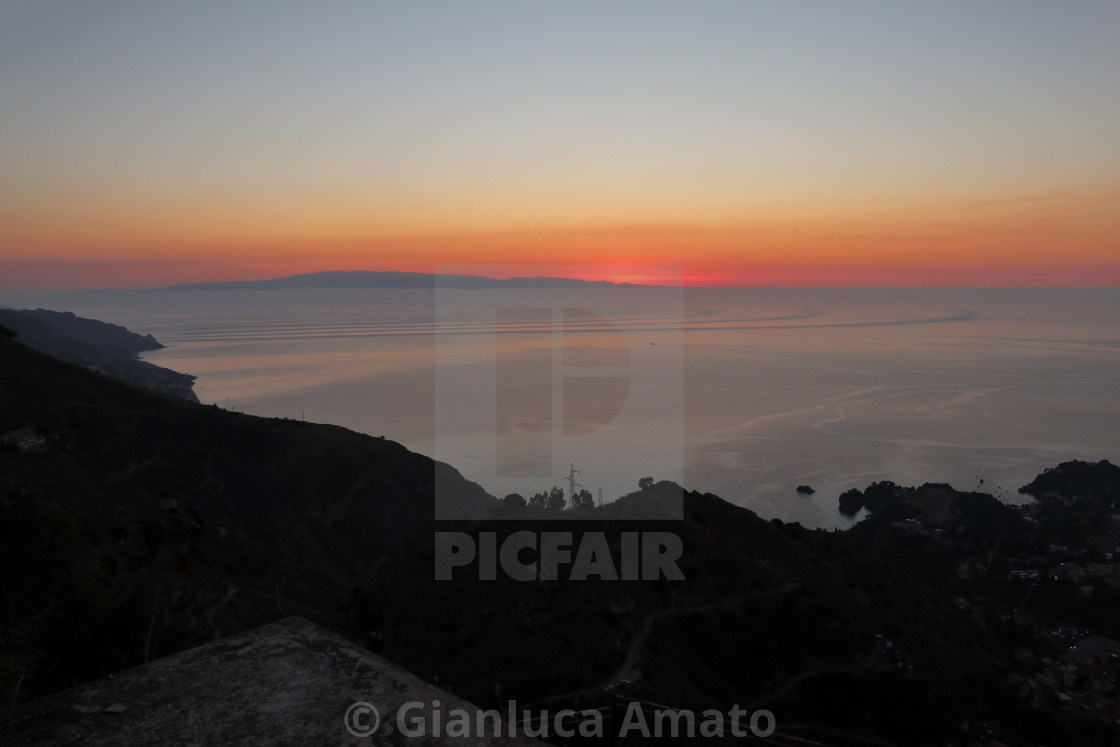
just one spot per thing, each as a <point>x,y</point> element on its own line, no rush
<point>600,281</point>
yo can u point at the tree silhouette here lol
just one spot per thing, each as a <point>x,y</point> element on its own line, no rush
<point>582,500</point>
<point>556,499</point>
<point>550,500</point>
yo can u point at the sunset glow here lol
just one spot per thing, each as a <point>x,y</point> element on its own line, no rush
<point>747,143</point>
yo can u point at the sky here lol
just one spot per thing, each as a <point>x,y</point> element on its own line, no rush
<point>746,143</point>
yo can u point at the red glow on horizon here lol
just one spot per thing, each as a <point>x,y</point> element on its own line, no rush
<point>1051,239</point>
<point>47,277</point>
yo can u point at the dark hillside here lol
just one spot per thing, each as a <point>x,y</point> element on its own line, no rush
<point>134,524</point>
<point>112,339</point>
<point>107,348</point>
<point>839,645</point>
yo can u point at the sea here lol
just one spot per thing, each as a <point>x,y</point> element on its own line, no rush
<point>746,393</point>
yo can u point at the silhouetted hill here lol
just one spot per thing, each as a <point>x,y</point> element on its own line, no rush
<point>133,524</point>
<point>108,348</point>
<point>102,336</point>
<point>375,279</point>
<point>1077,480</point>
<point>815,626</point>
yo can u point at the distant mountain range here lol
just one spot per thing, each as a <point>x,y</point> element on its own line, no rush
<point>374,279</point>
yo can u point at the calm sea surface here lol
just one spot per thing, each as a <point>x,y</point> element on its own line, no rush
<point>745,393</point>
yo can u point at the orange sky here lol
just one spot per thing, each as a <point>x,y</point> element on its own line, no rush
<point>1059,238</point>
<point>747,143</point>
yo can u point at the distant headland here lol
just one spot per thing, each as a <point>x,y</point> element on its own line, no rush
<point>406,280</point>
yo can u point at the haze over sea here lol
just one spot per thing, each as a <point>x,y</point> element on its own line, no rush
<point>834,388</point>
